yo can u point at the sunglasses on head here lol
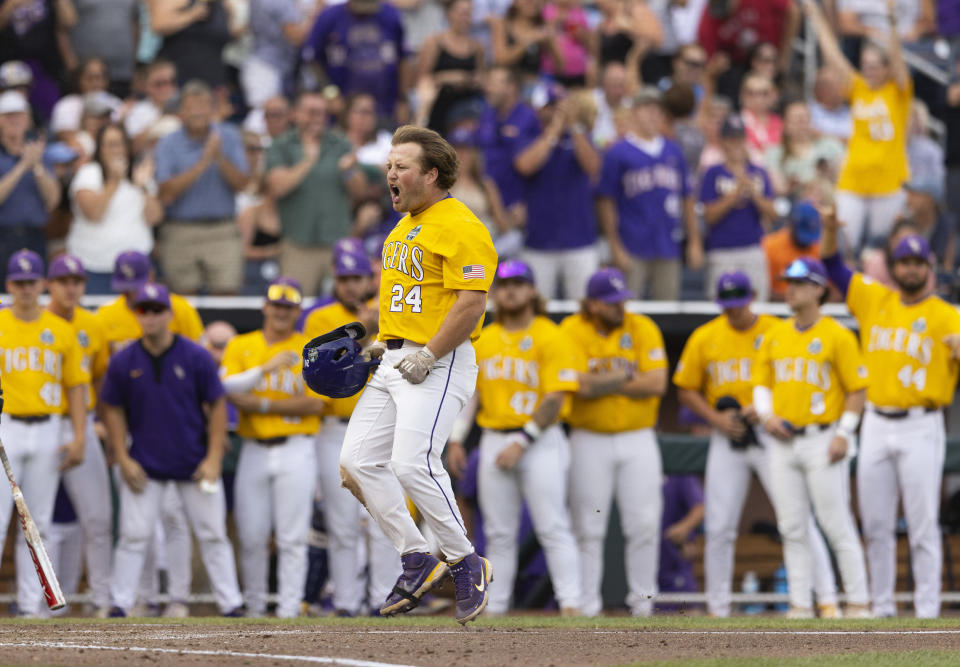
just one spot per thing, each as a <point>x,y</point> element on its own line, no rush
<point>152,308</point>
<point>284,293</point>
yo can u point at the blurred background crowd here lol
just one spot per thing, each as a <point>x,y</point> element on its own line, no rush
<point>237,140</point>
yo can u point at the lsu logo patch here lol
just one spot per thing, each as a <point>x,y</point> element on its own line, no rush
<point>412,234</point>
<point>862,372</point>
<point>179,372</point>
<point>526,343</point>
<point>815,346</point>
<point>83,339</point>
<point>919,325</point>
<point>757,342</point>
<point>46,337</point>
<point>626,342</point>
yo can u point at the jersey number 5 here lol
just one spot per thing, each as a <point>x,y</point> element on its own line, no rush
<point>412,299</point>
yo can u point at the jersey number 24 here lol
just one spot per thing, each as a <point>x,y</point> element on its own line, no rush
<point>412,299</point>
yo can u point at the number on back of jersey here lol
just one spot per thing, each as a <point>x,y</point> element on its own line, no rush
<point>908,377</point>
<point>412,299</point>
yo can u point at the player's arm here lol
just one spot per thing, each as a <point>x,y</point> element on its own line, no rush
<point>726,422</point>
<point>211,465</point>
<point>837,270</point>
<point>246,381</point>
<point>116,424</point>
<point>605,383</point>
<point>646,384</point>
<point>455,453</point>
<point>77,408</point>
<point>295,406</point>
<point>544,416</point>
<point>847,427</point>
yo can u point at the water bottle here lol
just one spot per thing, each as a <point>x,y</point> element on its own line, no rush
<point>751,586</point>
<point>780,586</point>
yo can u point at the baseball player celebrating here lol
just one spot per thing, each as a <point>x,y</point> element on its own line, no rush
<point>809,374</point>
<point>714,380</point>
<point>911,343</point>
<point>42,369</point>
<point>344,516</point>
<point>526,376</point>
<point>438,263</point>
<point>276,473</point>
<point>88,484</point>
<point>614,452</point>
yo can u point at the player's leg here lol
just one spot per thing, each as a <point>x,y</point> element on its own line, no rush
<point>639,493</point>
<point>882,212</point>
<point>383,562</point>
<point>342,516</point>
<point>852,211</point>
<point>292,489</point>
<point>65,548</point>
<point>592,475</point>
<point>877,493</point>
<point>15,437</point>
<point>498,492</point>
<point>207,513</point>
<point>139,513</point>
<point>544,471</point>
<point>577,267</point>
<point>253,509</point>
<point>547,268</point>
<point>179,550</point>
<point>726,482</point>
<point>791,502</point>
<point>922,445</point>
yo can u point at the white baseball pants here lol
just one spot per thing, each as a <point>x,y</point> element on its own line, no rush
<point>394,444</point>
<point>275,487</point>
<point>207,515</point>
<point>346,523</point>
<point>88,486</point>
<point>625,466</point>
<point>540,479</point>
<point>171,549</point>
<point>801,474</point>
<point>571,267</point>
<point>902,457</point>
<point>726,483</point>
<point>866,218</point>
<point>65,548</point>
<point>32,450</point>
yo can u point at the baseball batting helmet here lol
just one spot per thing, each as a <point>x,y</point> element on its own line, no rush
<point>332,365</point>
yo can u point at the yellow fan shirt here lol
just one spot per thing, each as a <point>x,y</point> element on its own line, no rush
<point>120,325</point>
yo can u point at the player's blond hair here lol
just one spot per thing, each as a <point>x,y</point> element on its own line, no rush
<point>437,153</point>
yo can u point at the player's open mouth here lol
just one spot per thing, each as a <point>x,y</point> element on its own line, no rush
<point>394,193</point>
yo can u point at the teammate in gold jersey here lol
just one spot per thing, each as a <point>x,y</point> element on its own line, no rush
<point>438,263</point>
<point>809,383</point>
<point>42,368</point>
<point>911,342</point>
<point>527,375</point>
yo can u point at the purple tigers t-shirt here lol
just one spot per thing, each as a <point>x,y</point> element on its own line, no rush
<point>501,140</point>
<point>649,192</point>
<point>742,226</point>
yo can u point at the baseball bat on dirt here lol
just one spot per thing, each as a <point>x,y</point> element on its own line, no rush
<point>48,578</point>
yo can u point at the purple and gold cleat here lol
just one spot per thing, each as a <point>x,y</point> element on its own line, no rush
<point>471,574</point>
<point>422,572</point>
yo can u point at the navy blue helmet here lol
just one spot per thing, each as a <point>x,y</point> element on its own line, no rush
<point>332,365</point>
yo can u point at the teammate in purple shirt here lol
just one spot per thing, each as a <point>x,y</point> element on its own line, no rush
<point>682,515</point>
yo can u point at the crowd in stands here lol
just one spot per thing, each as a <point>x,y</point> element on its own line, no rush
<point>237,140</point>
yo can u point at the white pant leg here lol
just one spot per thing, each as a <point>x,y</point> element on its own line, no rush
<point>592,477</point>
<point>88,486</point>
<point>546,267</point>
<point>792,505</point>
<point>639,493</point>
<point>829,488</point>
<point>342,514</point>
<point>292,487</point>
<point>543,479</point>
<point>577,268</point>
<point>921,443</point>
<point>207,513</point>
<point>15,436</point>
<point>65,549</point>
<point>877,490</point>
<point>178,545</point>
<point>882,212</point>
<point>260,81</point>
<point>852,211</point>
<point>253,508</point>
<point>726,483</point>
<point>500,499</point>
<point>139,513</point>
<point>383,562</point>
<point>425,416</point>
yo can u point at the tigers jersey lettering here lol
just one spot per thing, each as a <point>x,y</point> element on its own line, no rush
<point>426,259</point>
<point>810,372</point>
<point>38,361</point>
<point>249,350</point>
<point>717,359</point>
<point>637,343</point>
<point>93,345</point>
<point>320,322</point>
<point>121,327</point>
<point>517,368</point>
<point>908,361</point>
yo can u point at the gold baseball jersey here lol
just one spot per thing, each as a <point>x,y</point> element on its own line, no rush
<point>426,259</point>
<point>638,343</point>
<point>319,322</point>
<point>908,361</point>
<point>250,350</point>
<point>717,359</point>
<point>93,345</point>
<point>40,359</point>
<point>121,327</point>
<point>517,368</point>
<point>810,372</point>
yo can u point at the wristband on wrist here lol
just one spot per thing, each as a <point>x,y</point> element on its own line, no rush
<point>849,422</point>
<point>264,405</point>
<point>533,431</point>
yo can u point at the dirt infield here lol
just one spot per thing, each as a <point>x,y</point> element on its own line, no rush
<point>431,643</point>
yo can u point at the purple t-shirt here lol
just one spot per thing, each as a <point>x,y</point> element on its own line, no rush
<point>681,493</point>
<point>163,399</point>
<point>501,140</point>
<point>742,226</point>
<point>649,192</point>
<point>360,52</point>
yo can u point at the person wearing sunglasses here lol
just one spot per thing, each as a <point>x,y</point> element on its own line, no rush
<point>163,394</point>
<point>809,390</point>
<point>276,473</point>
<point>714,381</point>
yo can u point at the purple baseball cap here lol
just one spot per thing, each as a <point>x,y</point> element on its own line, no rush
<point>608,285</point>
<point>734,290</point>
<point>514,269</point>
<point>808,269</point>
<point>25,265</point>
<point>152,293</point>
<point>131,271</point>
<point>732,127</point>
<point>66,265</point>
<point>912,246</point>
<point>285,291</point>
<point>350,263</point>
<point>348,244</point>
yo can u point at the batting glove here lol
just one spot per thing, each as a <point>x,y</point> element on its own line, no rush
<point>414,367</point>
<point>374,351</point>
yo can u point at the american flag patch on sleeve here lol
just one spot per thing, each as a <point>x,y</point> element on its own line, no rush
<point>474,271</point>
